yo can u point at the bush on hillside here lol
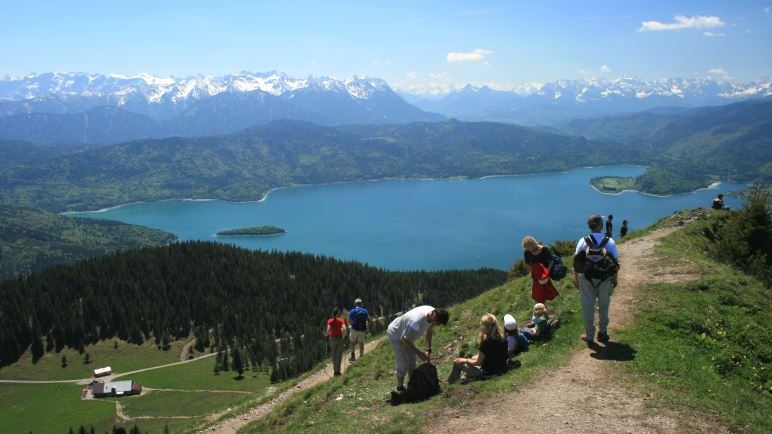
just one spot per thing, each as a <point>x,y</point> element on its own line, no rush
<point>744,240</point>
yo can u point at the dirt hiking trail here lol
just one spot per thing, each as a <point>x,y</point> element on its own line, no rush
<point>232,425</point>
<point>583,396</point>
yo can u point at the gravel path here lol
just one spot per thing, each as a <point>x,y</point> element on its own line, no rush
<point>582,396</point>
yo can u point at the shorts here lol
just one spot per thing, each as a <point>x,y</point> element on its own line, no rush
<point>357,336</point>
<point>404,357</point>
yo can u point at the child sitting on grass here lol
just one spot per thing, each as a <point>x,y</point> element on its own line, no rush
<point>539,327</point>
<point>517,342</point>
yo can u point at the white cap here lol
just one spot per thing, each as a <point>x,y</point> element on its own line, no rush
<point>509,322</point>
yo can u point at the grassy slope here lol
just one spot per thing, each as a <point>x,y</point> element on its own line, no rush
<point>704,345</point>
<point>127,357</point>
<point>701,347</point>
<point>53,408</point>
<point>365,387</point>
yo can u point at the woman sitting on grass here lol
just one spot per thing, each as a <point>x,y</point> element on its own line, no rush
<point>491,358</point>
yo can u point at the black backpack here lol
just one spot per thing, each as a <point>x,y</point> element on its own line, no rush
<point>423,384</point>
<point>594,261</point>
<point>558,270</point>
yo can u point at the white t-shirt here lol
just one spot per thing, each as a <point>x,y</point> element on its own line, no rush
<point>611,246</point>
<point>411,325</point>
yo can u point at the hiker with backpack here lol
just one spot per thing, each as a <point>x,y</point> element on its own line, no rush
<point>596,264</point>
<point>623,230</point>
<point>336,330</point>
<point>405,330</point>
<point>541,259</point>
<point>358,318</point>
<point>491,358</point>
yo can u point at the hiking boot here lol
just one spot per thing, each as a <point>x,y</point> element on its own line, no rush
<point>602,337</point>
<point>336,374</point>
<point>352,359</point>
<point>589,341</point>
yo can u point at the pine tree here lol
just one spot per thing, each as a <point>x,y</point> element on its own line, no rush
<point>86,358</point>
<point>238,362</point>
<point>64,361</point>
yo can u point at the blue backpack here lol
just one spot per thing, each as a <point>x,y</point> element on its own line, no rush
<point>359,319</point>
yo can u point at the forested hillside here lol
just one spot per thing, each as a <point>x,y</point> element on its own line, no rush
<point>690,149</point>
<point>284,153</point>
<point>227,297</point>
<point>31,239</point>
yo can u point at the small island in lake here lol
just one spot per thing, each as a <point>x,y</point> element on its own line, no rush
<point>614,184</point>
<point>258,231</point>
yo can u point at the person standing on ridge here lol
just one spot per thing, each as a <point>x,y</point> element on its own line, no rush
<point>718,202</point>
<point>336,329</point>
<point>358,319</point>
<point>405,330</point>
<point>610,226</point>
<point>596,264</point>
<point>540,258</point>
<point>623,230</point>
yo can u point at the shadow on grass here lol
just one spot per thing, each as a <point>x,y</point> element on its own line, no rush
<point>614,351</point>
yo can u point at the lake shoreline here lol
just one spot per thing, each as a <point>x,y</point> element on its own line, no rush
<point>712,186</point>
<point>268,192</point>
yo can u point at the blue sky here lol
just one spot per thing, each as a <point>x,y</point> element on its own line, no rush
<point>413,44</point>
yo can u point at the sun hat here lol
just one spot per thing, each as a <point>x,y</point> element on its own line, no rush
<point>509,322</point>
<point>358,301</point>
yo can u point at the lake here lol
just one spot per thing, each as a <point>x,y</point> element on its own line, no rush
<point>419,224</point>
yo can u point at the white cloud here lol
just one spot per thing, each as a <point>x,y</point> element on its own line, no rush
<point>381,62</point>
<point>766,10</point>
<point>477,55</point>
<point>411,75</point>
<point>683,22</point>
<point>713,35</point>
<point>719,74</point>
<point>605,69</point>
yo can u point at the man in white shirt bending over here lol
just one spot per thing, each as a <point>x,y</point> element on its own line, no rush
<point>405,330</point>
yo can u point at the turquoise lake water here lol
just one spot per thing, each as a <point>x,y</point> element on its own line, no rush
<point>419,224</point>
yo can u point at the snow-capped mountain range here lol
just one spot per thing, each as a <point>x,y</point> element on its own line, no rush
<point>97,108</point>
<point>153,89</point>
<point>590,97</point>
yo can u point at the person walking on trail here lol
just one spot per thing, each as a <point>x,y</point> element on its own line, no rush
<point>610,226</point>
<point>540,258</point>
<point>358,319</point>
<point>336,330</point>
<point>405,330</point>
<point>596,264</point>
<point>491,358</point>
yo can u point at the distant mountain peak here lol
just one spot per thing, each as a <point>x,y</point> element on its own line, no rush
<point>120,88</point>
